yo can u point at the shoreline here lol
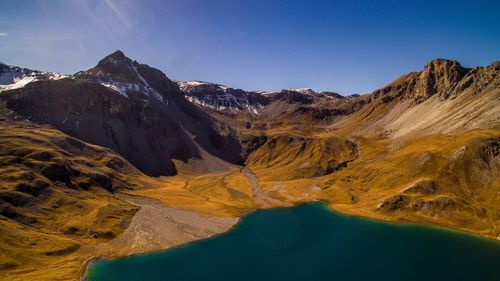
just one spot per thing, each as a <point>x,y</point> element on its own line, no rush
<point>169,223</point>
<point>326,204</point>
<point>399,220</point>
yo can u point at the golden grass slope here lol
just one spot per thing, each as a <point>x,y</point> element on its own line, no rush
<point>54,199</point>
<point>288,158</point>
<point>449,180</point>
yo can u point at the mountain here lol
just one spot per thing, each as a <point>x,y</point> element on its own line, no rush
<point>119,159</point>
<point>129,107</point>
<point>442,98</point>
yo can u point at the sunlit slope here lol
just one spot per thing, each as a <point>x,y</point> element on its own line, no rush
<point>226,194</point>
<point>450,180</point>
<point>55,198</point>
<point>287,157</point>
<point>430,102</point>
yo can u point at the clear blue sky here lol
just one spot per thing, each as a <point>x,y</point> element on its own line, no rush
<point>346,46</point>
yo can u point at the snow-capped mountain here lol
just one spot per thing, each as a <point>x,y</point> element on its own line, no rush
<point>128,77</point>
<point>311,92</point>
<point>302,90</point>
<point>13,77</point>
<point>221,98</point>
<point>227,100</point>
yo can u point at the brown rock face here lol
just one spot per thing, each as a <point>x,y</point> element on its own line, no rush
<point>425,187</point>
<point>445,78</point>
<point>438,76</point>
<point>490,151</point>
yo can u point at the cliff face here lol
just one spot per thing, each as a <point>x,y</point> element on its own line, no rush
<point>438,77</point>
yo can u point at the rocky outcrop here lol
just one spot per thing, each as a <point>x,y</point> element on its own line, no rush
<point>424,187</point>
<point>444,78</point>
<point>439,205</point>
<point>490,151</point>
<point>438,77</point>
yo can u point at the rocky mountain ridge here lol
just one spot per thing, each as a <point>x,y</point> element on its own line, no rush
<point>13,77</point>
<point>223,99</point>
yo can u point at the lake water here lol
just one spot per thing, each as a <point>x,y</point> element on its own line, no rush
<point>310,242</point>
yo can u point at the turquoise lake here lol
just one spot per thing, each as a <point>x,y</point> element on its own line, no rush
<point>310,242</point>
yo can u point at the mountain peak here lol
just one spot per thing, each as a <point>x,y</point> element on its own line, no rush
<point>124,75</point>
<point>438,76</point>
<point>115,58</point>
<point>443,64</point>
<point>118,54</point>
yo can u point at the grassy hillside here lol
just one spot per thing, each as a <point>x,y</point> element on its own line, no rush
<point>61,204</point>
<point>449,180</point>
<point>55,198</point>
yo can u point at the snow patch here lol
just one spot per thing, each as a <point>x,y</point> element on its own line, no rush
<point>225,103</point>
<point>121,88</point>
<point>303,90</point>
<point>149,90</point>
